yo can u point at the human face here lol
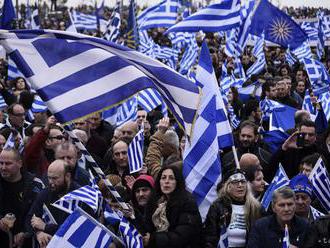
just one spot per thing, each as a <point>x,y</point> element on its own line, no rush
<point>10,166</point>
<point>258,184</point>
<point>20,84</point>
<point>182,143</point>
<point>247,137</point>
<point>82,125</point>
<point>141,117</point>
<point>306,169</point>
<point>282,89</point>
<point>284,209</point>
<point>18,116</point>
<point>120,154</point>
<point>300,88</point>
<point>55,137</point>
<point>310,135</point>
<point>237,189</point>
<point>288,84</point>
<point>95,121</point>
<point>142,195</point>
<point>272,92</point>
<point>69,156</point>
<point>230,96</point>
<point>303,203</point>
<point>129,130</point>
<point>167,182</point>
<point>300,75</point>
<point>284,71</point>
<point>2,142</point>
<point>56,180</point>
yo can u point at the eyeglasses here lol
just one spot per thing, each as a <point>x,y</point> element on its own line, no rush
<point>59,137</point>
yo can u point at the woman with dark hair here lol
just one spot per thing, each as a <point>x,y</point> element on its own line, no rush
<point>255,178</point>
<point>174,217</point>
<point>234,212</point>
<point>20,85</point>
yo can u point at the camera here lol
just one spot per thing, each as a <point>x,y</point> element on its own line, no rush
<point>300,139</point>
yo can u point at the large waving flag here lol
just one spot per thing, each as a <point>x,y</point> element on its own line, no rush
<point>81,230</point>
<point>76,75</point>
<point>282,118</point>
<point>278,26</point>
<point>216,17</point>
<point>280,180</point>
<point>84,21</point>
<point>258,52</point>
<point>201,163</point>
<point>317,74</point>
<point>163,16</point>
<point>321,183</point>
<point>130,234</point>
<point>8,14</point>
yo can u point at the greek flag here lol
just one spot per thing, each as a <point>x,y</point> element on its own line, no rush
<point>310,29</point>
<point>13,71</point>
<point>89,194</point>
<point>289,57</point>
<point>280,180</point>
<point>282,118</point>
<point>223,241</point>
<point>201,163</point>
<point>149,99</point>
<point>113,27</point>
<point>325,102</point>
<point>234,121</point>
<point>303,51</point>
<point>110,216</point>
<point>38,105</point>
<point>11,142</point>
<point>286,239</point>
<point>216,17</point>
<point>81,230</point>
<point>47,216</point>
<point>230,81</point>
<point>254,89</point>
<point>163,16</point>
<point>320,180</point>
<point>35,21</point>
<point>316,213</point>
<point>84,21</point>
<point>239,70</point>
<point>258,52</point>
<point>317,73</point>
<point>189,57</point>
<point>231,46</point>
<point>135,152</point>
<point>77,75</point>
<point>127,111</point>
<point>3,104</point>
<point>131,236</point>
<point>7,15</point>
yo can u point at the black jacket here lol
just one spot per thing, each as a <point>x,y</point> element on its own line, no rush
<point>318,234</point>
<point>267,233</point>
<point>185,225</point>
<point>47,197</point>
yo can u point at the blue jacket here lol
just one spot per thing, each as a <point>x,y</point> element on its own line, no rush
<point>267,233</point>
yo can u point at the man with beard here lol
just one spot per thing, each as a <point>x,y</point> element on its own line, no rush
<point>60,183</point>
<point>247,143</point>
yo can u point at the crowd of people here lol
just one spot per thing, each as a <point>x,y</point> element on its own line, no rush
<point>48,165</point>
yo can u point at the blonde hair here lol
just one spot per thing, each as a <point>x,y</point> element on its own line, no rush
<point>251,206</point>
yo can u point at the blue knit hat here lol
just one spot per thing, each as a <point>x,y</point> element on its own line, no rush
<point>301,184</point>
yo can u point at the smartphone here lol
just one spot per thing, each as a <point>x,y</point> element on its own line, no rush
<point>300,139</point>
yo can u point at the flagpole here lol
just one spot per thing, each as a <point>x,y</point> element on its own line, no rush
<point>235,157</point>
<point>96,168</point>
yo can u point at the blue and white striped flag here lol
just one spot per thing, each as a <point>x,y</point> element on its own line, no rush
<point>286,238</point>
<point>231,46</point>
<point>81,230</point>
<point>223,241</point>
<point>324,99</point>
<point>35,21</point>
<point>103,74</point>
<point>13,71</point>
<point>11,142</point>
<point>289,57</point>
<point>320,180</point>
<point>84,21</point>
<point>267,107</point>
<point>258,52</point>
<point>127,111</point>
<point>38,105</point>
<point>310,29</point>
<point>201,162</point>
<point>189,57</point>
<point>135,152</point>
<point>47,216</point>
<point>316,213</point>
<point>3,104</point>
<point>317,73</point>
<point>164,16</point>
<point>280,180</point>
<point>149,99</point>
<point>239,70</point>
<point>113,27</point>
<point>254,90</point>
<point>131,236</point>
<point>216,17</point>
<point>303,51</point>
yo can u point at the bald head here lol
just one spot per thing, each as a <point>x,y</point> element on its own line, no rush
<point>247,160</point>
<point>59,177</point>
<point>129,129</point>
<point>81,135</point>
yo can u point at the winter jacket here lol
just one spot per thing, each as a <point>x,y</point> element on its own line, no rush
<point>267,233</point>
<point>318,234</point>
<point>185,225</point>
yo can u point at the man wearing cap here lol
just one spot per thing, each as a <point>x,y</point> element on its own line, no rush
<point>141,192</point>
<point>303,194</point>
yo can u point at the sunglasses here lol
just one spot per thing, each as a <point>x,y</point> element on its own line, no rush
<point>59,137</point>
